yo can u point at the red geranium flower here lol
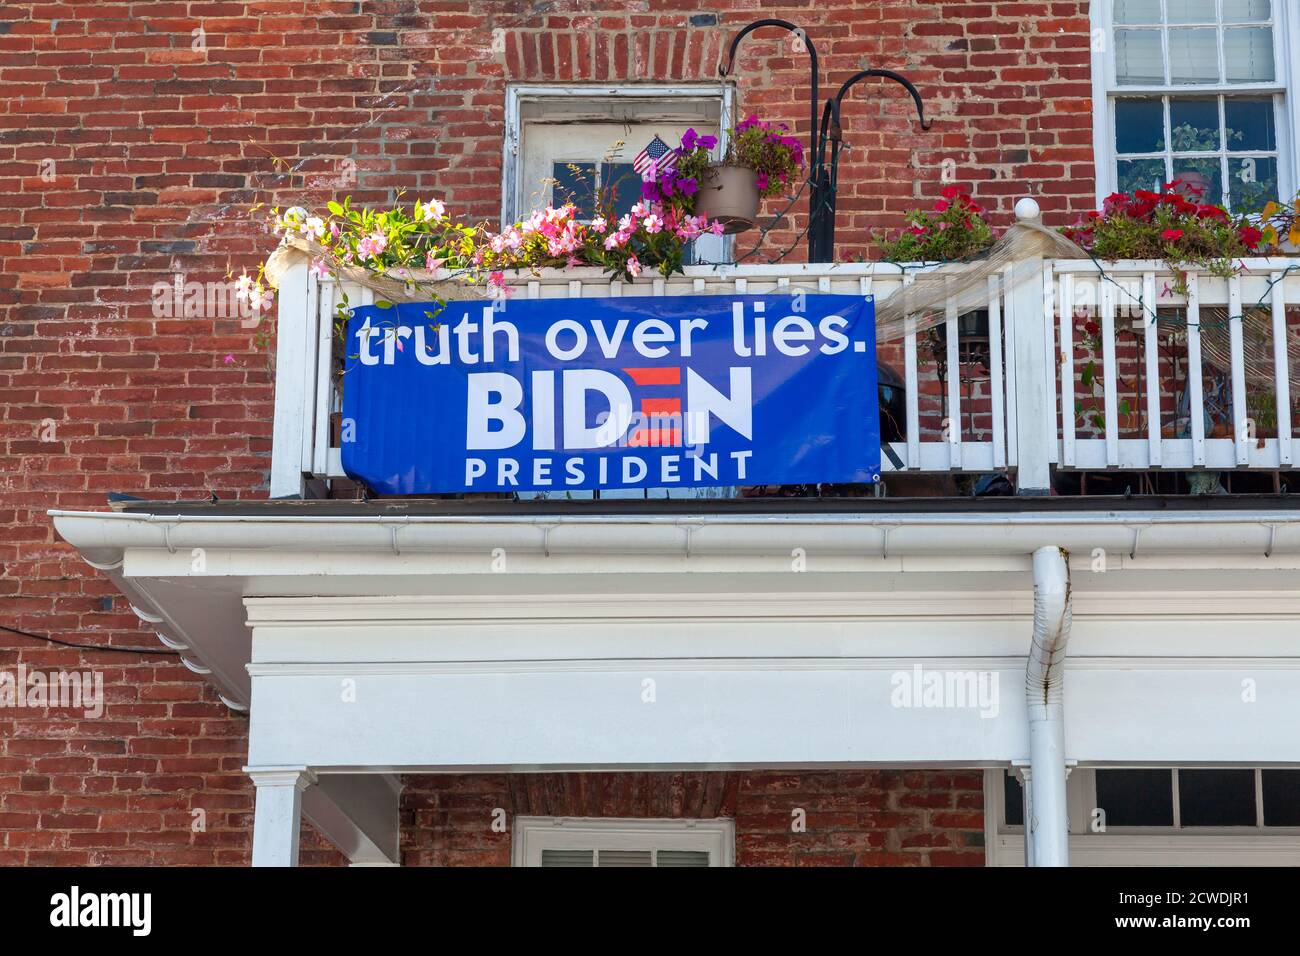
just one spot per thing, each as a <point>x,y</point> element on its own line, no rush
<point>1250,236</point>
<point>1171,235</point>
<point>950,192</point>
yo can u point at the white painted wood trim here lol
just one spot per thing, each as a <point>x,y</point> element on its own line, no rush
<point>292,382</point>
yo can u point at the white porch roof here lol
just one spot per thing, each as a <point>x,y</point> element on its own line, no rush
<point>371,644</point>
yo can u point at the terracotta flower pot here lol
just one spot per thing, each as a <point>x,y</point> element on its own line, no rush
<point>729,195</point>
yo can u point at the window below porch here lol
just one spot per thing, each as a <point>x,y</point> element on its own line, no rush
<point>617,842</point>
<point>1136,816</point>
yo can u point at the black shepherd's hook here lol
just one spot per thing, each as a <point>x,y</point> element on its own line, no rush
<point>725,68</point>
<point>821,231</point>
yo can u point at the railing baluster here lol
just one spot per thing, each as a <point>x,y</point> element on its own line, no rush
<point>1110,402</point>
<point>997,395</point>
<point>1067,369</point>
<point>1151,347</point>
<point>1281,371</point>
<point>1013,408</point>
<point>1239,415</point>
<point>911,387</point>
<point>1049,358</point>
<point>1195,381</point>
<point>324,373</point>
<point>320,304</point>
<point>954,387</point>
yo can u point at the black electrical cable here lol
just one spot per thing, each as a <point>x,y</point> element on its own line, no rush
<point>88,647</point>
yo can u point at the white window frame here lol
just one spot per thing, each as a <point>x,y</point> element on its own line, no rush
<point>1139,846</point>
<point>532,835</point>
<point>713,249</point>
<point>1286,86</point>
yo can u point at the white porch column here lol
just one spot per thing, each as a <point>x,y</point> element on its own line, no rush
<point>277,816</point>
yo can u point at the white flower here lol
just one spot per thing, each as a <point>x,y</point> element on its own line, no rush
<point>433,209</point>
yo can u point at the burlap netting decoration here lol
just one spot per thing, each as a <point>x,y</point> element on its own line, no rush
<point>919,306</point>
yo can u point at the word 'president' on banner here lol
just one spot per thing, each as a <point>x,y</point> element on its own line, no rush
<point>555,395</point>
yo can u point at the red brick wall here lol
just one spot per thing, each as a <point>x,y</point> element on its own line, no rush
<point>853,818</point>
<point>128,156</point>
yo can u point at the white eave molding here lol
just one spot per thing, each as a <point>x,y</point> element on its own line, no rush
<point>140,551</point>
<point>103,538</point>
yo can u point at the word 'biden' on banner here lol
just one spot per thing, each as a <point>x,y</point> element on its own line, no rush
<point>639,392</point>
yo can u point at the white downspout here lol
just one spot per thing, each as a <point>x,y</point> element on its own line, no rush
<point>1046,820</point>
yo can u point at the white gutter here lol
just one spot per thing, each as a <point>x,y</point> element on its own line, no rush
<point>102,537</point>
<point>1046,821</point>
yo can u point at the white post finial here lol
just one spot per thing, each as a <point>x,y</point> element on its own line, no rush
<point>1027,210</point>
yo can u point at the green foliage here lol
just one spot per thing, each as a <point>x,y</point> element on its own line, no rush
<point>1167,225</point>
<point>954,229</point>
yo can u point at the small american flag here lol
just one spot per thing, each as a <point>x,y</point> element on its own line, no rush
<point>657,157</point>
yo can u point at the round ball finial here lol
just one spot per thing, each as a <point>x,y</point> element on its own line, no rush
<point>1027,210</point>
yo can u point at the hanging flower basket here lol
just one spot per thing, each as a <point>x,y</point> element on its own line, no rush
<point>729,194</point>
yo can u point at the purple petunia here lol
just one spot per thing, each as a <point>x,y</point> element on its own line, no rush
<point>687,186</point>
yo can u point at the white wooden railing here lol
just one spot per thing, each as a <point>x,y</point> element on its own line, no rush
<point>1034,366</point>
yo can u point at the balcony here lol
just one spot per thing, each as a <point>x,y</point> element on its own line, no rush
<point>1061,378</point>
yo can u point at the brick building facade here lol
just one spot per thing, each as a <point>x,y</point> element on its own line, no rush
<point>135,140</point>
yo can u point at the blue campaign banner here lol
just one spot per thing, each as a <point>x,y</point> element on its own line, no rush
<point>639,392</point>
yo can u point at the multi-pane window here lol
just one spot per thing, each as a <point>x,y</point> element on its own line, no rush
<point>613,842</point>
<point>578,144</point>
<point>1196,94</point>
<point>1181,799</point>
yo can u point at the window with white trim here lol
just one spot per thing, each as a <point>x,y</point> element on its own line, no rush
<point>1195,90</point>
<point>616,842</point>
<point>1201,816</point>
<point>575,143</point>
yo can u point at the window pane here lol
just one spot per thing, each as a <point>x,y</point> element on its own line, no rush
<point>566,858</point>
<point>1251,124</point>
<point>681,858</point>
<point>1139,61</point>
<point>1137,11</point>
<point>575,183</point>
<point>1194,124</point>
<point>1239,11</point>
<point>1014,797</point>
<point>1136,798</point>
<point>1139,126</point>
<point>1193,56</point>
<point>1282,798</point>
<point>1205,175</point>
<point>1192,11</point>
<point>1248,54</point>
<point>620,187</point>
<point>1252,182</point>
<point>1140,174</point>
<point>1216,798</point>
